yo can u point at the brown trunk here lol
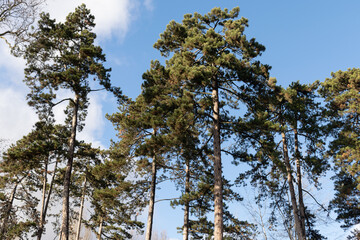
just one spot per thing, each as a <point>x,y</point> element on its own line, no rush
<point>291,188</point>
<point>218,191</point>
<point>67,178</point>
<point>299,180</point>
<point>81,210</point>
<point>187,202</point>
<point>43,215</point>
<point>100,229</point>
<point>152,199</point>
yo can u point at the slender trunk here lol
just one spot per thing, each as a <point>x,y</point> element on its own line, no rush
<point>8,210</point>
<point>187,202</point>
<point>81,209</point>
<point>43,215</point>
<point>67,178</point>
<point>100,229</point>
<point>218,188</point>
<point>151,202</point>
<point>41,224</point>
<point>291,188</point>
<point>263,227</point>
<point>299,180</point>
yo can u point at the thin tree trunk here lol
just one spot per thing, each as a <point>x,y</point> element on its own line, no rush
<point>291,188</point>
<point>100,229</point>
<point>187,202</point>
<point>81,209</point>
<point>41,224</point>
<point>299,180</point>
<point>43,216</point>
<point>152,200</point>
<point>67,178</point>
<point>218,188</point>
<point>8,209</point>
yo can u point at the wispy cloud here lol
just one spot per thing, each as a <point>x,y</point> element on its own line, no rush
<point>112,17</point>
<point>149,5</point>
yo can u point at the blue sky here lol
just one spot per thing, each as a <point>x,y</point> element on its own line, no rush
<point>305,40</point>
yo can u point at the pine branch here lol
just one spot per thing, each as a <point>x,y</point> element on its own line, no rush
<point>166,199</point>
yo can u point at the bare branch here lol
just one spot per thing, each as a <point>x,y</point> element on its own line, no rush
<point>166,199</point>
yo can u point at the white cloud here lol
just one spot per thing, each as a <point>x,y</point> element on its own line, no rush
<point>17,118</point>
<point>12,68</point>
<point>112,17</point>
<point>94,123</point>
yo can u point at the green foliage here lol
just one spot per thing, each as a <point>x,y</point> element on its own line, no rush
<point>24,166</point>
<point>295,113</point>
<point>211,57</point>
<point>112,198</point>
<point>341,92</point>
<point>63,56</point>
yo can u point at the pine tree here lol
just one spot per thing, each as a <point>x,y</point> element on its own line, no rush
<point>143,132</point>
<point>114,199</point>
<point>286,115</point>
<point>341,93</point>
<point>63,56</point>
<point>212,58</point>
<point>26,168</point>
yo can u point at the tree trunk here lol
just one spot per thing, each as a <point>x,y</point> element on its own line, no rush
<point>43,215</point>
<point>152,200</point>
<point>67,178</point>
<point>8,209</point>
<point>100,229</point>
<point>187,202</point>
<point>291,188</point>
<point>218,188</point>
<point>81,210</point>
<point>41,224</point>
<point>299,180</point>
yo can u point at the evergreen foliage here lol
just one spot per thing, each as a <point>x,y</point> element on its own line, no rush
<point>63,56</point>
<point>211,92</point>
<point>341,92</point>
<point>212,58</point>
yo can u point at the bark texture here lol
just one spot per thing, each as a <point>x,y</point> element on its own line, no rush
<point>218,188</point>
<point>100,229</point>
<point>152,201</point>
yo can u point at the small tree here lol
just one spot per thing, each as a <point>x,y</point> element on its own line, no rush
<point>26,167</point>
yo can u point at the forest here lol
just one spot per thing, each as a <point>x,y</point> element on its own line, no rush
<point>210,97</point>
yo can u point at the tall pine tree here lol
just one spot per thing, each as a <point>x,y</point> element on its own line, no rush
<point>212,58</point>
<point>341,93</point>
<point>63,56</point>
